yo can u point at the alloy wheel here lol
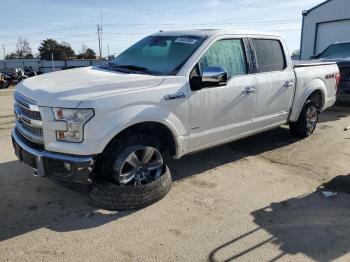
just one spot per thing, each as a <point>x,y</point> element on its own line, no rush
<point>142,165</point>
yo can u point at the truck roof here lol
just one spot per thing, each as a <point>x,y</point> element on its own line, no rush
<point>213,32</point>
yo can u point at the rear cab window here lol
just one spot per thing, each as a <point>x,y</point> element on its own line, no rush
<point>268,55</point>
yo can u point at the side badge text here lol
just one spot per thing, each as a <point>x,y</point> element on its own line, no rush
<point>175,96</point>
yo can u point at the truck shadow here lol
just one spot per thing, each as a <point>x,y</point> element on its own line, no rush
<point>29,203</point>
<point>334,113</point>
<point>221,155</point>
<point>311,224</point>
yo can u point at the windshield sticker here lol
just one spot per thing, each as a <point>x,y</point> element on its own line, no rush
<point>186,40</point>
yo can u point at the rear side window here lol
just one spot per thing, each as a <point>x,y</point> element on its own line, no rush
<point>227,53</point>
<point>269,55</point>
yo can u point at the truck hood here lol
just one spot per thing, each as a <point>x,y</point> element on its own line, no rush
<point>67,88</point>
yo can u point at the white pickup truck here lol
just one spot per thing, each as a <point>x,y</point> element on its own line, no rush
<point>177,92</point>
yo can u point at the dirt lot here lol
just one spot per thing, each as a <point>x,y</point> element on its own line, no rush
<point>251,200</point>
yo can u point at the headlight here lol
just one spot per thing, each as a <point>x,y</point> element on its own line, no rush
<point>76,119</point>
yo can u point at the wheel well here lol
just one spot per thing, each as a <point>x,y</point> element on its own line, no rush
<point>317,98</point>
<point>162,132</point>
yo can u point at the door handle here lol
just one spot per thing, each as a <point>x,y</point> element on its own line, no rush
<point>288,84</point>
<point>249,90</point>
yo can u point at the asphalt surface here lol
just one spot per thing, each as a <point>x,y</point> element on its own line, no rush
<point>252,200</point>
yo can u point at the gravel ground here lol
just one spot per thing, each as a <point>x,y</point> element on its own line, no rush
<point>252,200</point>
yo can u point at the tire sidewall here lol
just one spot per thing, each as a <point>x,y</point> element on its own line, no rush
<point>307,105</point>
<point>113,197</point>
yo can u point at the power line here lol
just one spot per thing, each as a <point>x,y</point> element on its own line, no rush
<point>142,25</point>
<point>45,32</point>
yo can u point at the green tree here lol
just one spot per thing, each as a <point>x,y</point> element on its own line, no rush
<point>60,51</point>
<point>87,54</point>
<point>296,52</point>
<point>90,54</point>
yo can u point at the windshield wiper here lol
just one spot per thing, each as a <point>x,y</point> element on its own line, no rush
<point>138,69</point>
<point>114,67</point>
<point>128,68</point>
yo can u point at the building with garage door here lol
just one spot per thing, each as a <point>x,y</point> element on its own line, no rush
<point>324,24</point>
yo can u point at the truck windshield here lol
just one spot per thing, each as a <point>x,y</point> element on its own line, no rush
<point>157,55</point>
<point>336,51</point>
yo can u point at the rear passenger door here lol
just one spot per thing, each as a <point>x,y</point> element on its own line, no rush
<point>275,82</point>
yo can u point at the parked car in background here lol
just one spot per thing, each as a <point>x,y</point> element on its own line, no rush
<point>174,92</point>
<point>340,53</point>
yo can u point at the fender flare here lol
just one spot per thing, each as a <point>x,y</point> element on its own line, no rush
<point>310,88</point>
<point>178,139</point>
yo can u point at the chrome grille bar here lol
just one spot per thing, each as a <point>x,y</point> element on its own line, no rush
<point>26,102</point>
<point>28,118</point>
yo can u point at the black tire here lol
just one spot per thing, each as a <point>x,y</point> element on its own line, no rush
<point>300,128</point>
<point>106,191</point>
<point>7,84</point>
<point>2,84</point>
<point>114,197</point>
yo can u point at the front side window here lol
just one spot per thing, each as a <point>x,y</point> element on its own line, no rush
<point>227,53</point>
<point>159,55</point>
<point>269,55</point>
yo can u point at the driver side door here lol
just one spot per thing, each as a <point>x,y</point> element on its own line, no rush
<point>222,113</point>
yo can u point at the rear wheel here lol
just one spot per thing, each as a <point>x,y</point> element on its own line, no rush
<point>307,121</point>
<point>134,174</point>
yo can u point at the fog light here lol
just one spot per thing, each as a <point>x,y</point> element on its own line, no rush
<point>67,166</point>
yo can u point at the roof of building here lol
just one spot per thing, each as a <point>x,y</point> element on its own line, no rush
<point>317,6</point>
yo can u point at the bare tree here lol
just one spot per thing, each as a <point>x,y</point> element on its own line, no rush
<point>23,49</point>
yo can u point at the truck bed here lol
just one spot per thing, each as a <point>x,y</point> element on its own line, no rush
<point>312,76</point>
<point>306,63</point>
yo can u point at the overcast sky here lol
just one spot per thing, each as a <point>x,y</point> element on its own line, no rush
<point>124,22</point>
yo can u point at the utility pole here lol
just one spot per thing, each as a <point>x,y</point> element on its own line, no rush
<point>99,41</point>
<point>101,30</point>
<point>53,63</point>
<point>3,49</point>
<point>108,50</point>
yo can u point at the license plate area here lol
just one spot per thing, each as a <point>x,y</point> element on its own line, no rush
<point>24,156</point>
<point>17,151</point>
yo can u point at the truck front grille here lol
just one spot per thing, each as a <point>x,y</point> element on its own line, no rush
<point>34,130</point>
<point>28,118</point>
<point>31,114</point>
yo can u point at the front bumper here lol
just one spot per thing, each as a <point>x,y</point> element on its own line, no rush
<point>60,166</point>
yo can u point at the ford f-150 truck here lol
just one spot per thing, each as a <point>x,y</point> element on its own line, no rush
<point>172,92</point>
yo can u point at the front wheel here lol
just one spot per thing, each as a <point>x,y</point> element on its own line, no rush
<point>138,165</point>
<point>307,121</point>
<point>134,174</point>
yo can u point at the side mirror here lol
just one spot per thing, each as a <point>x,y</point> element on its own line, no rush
<point>212,76</point>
